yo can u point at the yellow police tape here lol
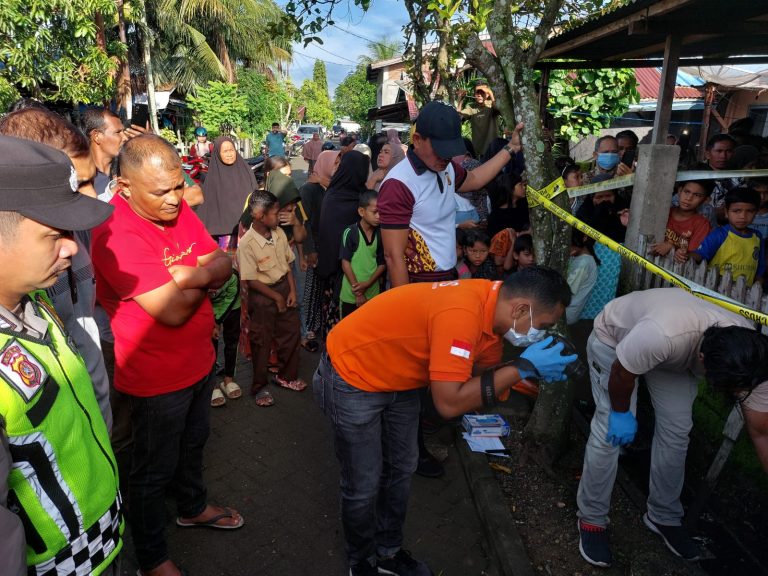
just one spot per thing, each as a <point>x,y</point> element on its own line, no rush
<point>687,285</point>
<point>558,186</point>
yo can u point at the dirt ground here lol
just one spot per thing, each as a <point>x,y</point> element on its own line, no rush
<point>544,509</point>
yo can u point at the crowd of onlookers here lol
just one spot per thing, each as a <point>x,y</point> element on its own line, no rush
<point>274,266</point>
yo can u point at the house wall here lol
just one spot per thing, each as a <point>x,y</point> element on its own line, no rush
<point>741,101</point>
<point>389,88</point>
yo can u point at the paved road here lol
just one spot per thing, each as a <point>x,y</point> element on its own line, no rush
<point>277,467</point>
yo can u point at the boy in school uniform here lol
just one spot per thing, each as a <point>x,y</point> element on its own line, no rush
<point>264,257</point>
<point>686,228</point>
<point>735,246</point>
<point>362,256</point>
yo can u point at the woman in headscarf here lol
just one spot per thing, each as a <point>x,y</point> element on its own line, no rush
<point>383,164</point>
<point>229,182</point>
<point>311,198</point>
<point>339,210</point>
<point>398,152</point>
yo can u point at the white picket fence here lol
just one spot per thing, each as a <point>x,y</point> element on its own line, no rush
<point>751,296</point>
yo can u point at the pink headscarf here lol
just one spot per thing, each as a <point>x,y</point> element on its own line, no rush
<point>397,147</point>
<point>325,166</point>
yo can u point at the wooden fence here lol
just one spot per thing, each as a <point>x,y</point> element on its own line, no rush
<point>751,296</point>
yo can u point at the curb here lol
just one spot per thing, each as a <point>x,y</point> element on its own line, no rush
<point>504,541</point>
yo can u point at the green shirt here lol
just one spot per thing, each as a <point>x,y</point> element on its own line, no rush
<point>364,257</point>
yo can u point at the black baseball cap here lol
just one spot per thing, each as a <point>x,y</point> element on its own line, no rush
<point>442,125</point>
<point>39,182</point>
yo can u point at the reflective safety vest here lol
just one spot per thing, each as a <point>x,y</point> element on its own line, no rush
<point>63,480</point>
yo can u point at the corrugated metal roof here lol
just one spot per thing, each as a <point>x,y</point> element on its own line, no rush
<point>648,80</point>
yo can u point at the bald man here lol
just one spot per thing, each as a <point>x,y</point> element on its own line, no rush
<point>154,264</point>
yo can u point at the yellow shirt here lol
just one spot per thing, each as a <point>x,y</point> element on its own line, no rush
<point>262,259</point>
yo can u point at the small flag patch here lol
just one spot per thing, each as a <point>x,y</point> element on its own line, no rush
<point>461,348</point>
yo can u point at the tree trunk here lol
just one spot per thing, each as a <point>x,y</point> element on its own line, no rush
<point>101,40</point>
<point>418,14</point>
<point>147,52</point>
<point>223,53</point>
<point>545,435</point>
<point>124,96</point>
<point>443,73</point>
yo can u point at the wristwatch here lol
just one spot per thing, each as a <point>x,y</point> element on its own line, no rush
<point>509,149</point>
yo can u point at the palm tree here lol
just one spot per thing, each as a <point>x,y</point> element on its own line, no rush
<point>203,40</point>
<point>382,49</point>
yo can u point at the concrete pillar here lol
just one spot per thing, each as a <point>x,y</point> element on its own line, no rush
<point>654,185</point>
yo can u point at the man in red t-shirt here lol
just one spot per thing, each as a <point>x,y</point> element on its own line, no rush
<point>436,334</point>
<point>154,264</point>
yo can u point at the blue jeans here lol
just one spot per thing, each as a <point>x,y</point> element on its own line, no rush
<point>169,434</point>
<point>375,440</point>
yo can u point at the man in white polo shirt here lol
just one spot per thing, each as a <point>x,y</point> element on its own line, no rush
<point>417,211</point>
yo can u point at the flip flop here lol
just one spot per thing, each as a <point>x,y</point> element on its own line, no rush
<point>211,522</point>
<point>217,398</point>
<point>266,397</point>
<point>231,390</point>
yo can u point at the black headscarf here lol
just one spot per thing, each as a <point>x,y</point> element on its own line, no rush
<point>339,209</point>
<point>225,189</point>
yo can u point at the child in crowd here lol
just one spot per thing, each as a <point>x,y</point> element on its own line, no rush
<point>582,273</point>
<point>264,259</point>
<point>520,256</point>
<point>477,262</point>
<point>572,176</point>
<point>735,246</point>
<point>362,256</point>
<point>686,228</point>
<point>226,311</point>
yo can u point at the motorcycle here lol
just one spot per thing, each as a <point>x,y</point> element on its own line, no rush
<point>196,167</point>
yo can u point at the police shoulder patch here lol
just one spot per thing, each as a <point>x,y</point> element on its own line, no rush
<point>22,370</point>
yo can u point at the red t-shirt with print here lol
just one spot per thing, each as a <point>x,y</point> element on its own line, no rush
<point>131,257</point>
<point>694,229</point>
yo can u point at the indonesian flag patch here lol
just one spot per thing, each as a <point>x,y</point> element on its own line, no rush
<point>461,348</point>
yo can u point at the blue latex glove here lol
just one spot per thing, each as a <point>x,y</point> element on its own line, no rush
<point>548,362</point>
<point>622,427</point>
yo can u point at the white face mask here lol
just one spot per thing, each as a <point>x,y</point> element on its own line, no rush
<point>521,340</point>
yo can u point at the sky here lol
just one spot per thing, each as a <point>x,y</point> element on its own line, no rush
<point>340,50</point>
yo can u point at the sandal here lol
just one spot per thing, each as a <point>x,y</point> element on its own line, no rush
<point>217,398</point>
<point>263,398</point>
<point>297,385</point>
<point>212,522</point>
<point>231,390</point>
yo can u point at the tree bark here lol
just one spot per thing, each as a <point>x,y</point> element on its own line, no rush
<point>147,52</point>
<point>124,96</point>
<point>418,15</point>
<point>545,435</point>
<point>223,53</point>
